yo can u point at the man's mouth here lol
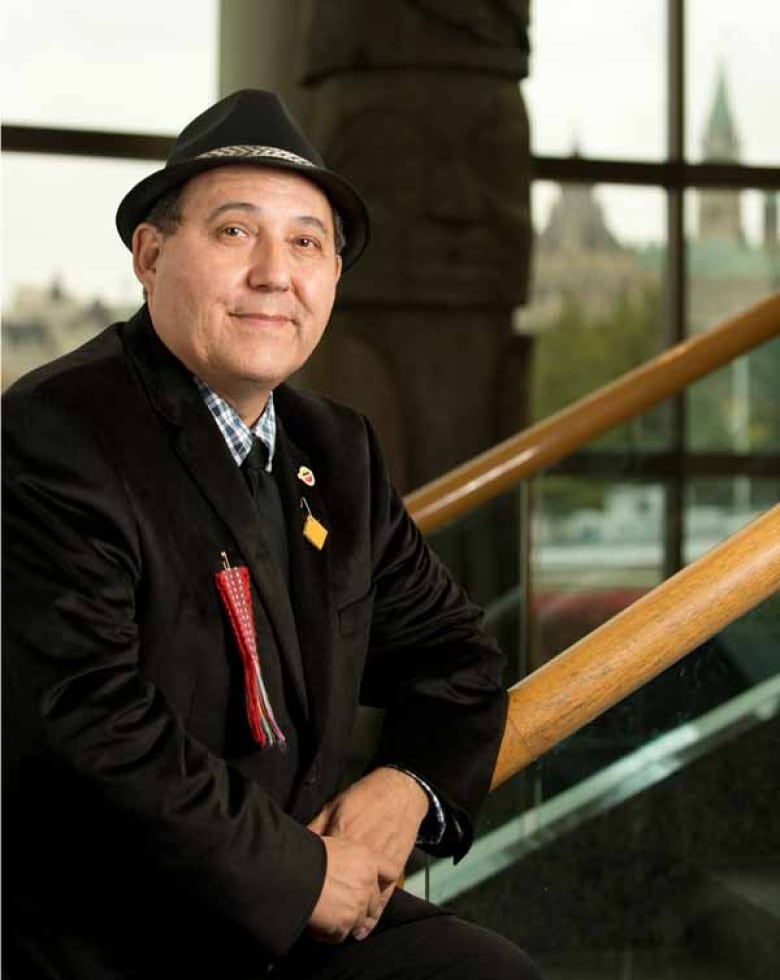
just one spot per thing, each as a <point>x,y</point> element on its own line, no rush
<point>260,316</point>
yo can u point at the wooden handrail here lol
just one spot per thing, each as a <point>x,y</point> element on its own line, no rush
<point>523,455</point>
<point>638,643</point>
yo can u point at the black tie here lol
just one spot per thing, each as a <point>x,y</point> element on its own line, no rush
<point>268,504</point>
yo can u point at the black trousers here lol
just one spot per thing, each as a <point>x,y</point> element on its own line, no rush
<point>414,940</point>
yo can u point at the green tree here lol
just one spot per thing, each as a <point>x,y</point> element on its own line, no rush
<point>581,352</point>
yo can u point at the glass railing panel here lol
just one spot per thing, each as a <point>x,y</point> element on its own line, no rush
<point>486,550</point>
<point>596,857</point>
<point>633,866</point>
<point>718,506</point>
<point>597,547</point>
<point>642,875</point>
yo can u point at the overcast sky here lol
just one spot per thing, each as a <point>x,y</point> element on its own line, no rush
<point>597,80</point>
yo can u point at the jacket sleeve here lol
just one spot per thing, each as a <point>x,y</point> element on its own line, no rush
<point>431,666</point>
<point>77,703</point>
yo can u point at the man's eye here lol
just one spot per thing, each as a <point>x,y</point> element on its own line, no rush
<point>233,231</point>
<point>308,243</point>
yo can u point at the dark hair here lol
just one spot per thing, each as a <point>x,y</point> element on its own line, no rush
<point>339,235</point>
<point>165,214</point>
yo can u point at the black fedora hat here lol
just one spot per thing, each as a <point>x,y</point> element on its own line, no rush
<point>248,127</point>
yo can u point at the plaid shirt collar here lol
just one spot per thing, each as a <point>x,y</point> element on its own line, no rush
<point>236,433</point>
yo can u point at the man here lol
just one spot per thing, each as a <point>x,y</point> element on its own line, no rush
<point>189,629</point>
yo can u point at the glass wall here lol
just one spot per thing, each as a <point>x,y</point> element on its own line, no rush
<point>732,69</point>
<point>597,306</point>
<point>644,845</point>
<point>597,78</point>
<point>611,870</point>
<point>140,67</point>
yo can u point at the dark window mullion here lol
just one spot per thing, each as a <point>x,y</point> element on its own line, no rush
<point>676,288</point>
<point>85,142</point>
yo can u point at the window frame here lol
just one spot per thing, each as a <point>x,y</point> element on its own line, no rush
<point>674,175</point>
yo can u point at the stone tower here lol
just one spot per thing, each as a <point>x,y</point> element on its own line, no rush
<point>720,217</point>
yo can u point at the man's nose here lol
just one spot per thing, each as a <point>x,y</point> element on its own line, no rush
<point>269,266</point>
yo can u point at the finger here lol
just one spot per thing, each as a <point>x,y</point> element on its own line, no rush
<point>370,916</point>
<point>365,928</point>
<point>376,907</point>
<point>320,823</point>
<point>387,869</point>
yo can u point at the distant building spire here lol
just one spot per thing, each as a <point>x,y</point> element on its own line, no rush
<point>720,215</point>
<point>721,142</point>
<point>577,223</point>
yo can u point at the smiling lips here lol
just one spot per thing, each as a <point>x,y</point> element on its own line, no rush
<point>261,317</point>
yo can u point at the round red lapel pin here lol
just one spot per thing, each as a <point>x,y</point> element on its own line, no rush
<point>306,476</point>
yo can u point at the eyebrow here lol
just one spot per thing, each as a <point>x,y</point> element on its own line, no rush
<point>306,219</point>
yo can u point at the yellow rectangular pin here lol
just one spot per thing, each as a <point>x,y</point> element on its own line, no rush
<point>314,532</point>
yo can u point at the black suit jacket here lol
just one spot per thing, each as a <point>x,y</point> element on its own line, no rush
<point>142,823</point>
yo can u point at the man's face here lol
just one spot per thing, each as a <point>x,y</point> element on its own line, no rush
<point>242,290</point>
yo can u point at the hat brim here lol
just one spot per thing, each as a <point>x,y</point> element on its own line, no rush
<point>138,202</point>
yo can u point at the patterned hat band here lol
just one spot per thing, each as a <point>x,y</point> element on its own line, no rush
<point>256,153</point>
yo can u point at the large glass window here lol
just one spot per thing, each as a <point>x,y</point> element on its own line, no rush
<point>66,273</point>
<point>617,277</point>
<point>139,68</point>
<point>733,258</point>
<point>596,307</point>
<point>597,546</point>
<point>597,78</point>
<point>59,225</point>
<point>716,508</point>
<point>733,80</point>
<point>142,67</point>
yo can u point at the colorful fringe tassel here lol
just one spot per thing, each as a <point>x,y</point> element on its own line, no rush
<point>236,594</point>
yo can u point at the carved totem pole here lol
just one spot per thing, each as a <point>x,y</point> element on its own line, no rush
<point>418,103</point>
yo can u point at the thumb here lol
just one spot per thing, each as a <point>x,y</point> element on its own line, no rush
<point>320,823</point>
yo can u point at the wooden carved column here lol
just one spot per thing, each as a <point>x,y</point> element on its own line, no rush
<point>417,102</point>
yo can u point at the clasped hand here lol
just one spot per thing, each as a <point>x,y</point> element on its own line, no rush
<point>369,832</point>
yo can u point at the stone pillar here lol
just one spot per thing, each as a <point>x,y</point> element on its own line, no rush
<point>418,103</point>
<point>261,46</point>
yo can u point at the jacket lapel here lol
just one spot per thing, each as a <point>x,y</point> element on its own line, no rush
<point>310,575</point>
<point>202,449</point>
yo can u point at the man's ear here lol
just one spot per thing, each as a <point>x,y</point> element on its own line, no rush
<point>147,241</point>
